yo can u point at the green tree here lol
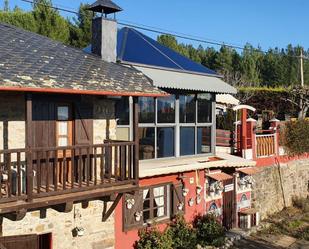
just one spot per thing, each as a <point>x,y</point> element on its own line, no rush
<point>250,64</point>
<point>49,22</point>
<point>80,27</point>
<point>19,19</point>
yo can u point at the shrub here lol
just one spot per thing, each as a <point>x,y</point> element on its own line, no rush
<point>209,231</point>
<point>296,137</point>
<point>152,238</point>
<point>301,203</point>
<point>183,235</point>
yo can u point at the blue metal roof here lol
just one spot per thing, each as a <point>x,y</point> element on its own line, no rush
<point>136,48</point>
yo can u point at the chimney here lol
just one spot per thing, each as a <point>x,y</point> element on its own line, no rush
<point>104,30</point>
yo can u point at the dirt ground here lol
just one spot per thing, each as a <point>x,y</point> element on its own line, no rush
<point>286,229</point>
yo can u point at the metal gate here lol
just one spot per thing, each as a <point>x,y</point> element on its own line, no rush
<point>228,204</point>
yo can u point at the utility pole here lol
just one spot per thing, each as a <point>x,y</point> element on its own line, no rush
<point>301,112</point>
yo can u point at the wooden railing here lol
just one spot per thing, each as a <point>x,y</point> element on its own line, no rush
<point>26,174</point>
<point>265,145</point>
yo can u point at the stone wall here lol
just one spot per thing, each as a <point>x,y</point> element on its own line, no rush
<point>98,234</point>
<point>275,186</point>
<point>104,122</point>
<point>12,120</point>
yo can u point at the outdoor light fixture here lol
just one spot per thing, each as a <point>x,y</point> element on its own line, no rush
<point>78,231</point>
<point>130,203</point>
<point>191,202</point>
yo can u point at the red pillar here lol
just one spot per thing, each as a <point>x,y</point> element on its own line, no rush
<point>243,132</point>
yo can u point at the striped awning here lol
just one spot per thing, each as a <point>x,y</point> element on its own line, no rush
<point>186,81</point>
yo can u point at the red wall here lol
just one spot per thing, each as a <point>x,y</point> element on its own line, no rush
<point>126,240</point>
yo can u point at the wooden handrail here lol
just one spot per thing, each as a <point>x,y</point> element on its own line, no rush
<point>31,173</point>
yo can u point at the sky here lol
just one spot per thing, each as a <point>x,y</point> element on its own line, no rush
<point>265,23</point>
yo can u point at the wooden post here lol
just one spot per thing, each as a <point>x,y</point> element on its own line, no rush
<point>136,139</point>
<point>243,132</point>
<point>29,135</point>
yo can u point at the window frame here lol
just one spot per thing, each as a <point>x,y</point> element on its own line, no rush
<point>177,126</point>
<point>167,203</point>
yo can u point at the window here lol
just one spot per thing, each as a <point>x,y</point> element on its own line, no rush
<point>176,125</point>
<point>122,109</point>
<point>147,143</point>
<point>187,106</point>
<point>165,142</point>
<point>204,107</point>
<point>166,109</point>
<point>64,126</point>
<point>203,140</point>
<point>155,203</point>
<point>187,141</point>
<point>146,109</point>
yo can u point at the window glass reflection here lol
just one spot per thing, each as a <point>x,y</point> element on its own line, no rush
<point>146,109</point>
<point>165,142</point>
<point>166,109</point>
<point>203,140</point>
<point>146,143</point>
<point>123,111</point>
<point>204,108</point>
<point>187,141</point>
<point>187,108</point>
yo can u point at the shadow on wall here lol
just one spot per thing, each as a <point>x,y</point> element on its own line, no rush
<point>12,120</point>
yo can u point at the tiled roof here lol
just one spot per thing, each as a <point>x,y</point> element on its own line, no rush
<point>29,60</point>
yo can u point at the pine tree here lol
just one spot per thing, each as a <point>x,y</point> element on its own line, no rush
<point>50,23</point>
<point>80,28</point>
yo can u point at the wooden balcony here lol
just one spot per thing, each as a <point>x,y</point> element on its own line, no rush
<point>43,177</point>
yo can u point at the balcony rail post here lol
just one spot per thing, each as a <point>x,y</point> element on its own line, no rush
<point>136,140</point>
<point>29,168</point>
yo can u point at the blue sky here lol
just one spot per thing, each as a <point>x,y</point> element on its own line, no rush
<point>268,23</point>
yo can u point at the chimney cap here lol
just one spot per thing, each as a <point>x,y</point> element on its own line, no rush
<point>104,6</point>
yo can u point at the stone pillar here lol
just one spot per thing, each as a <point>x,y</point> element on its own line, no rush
<point>274,125</point>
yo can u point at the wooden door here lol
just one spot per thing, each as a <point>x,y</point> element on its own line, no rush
<point>228,204</point>
<point>20,242</point>
<point>64,137</point>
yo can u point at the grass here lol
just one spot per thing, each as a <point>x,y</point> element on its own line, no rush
<point>292,221</point>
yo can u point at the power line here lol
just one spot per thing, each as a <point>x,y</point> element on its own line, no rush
<point>166,32</point>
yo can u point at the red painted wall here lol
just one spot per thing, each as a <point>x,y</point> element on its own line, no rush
<point>126,240</point>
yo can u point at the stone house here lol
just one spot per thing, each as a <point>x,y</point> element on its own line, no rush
<point>97,144</point>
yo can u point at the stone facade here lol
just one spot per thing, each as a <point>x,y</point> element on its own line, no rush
<point>275,186</point>
<point>12,121</point>
<point>104,122</point>
<point>97,234</point>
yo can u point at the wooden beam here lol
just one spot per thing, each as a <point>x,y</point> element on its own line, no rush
<point>136,139</point>
<point>29,135</point>
<point>16,216</point>
<point>85,204</point>
<point>49,201</point>
<point>107,213</point>
<point>64,208</point>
